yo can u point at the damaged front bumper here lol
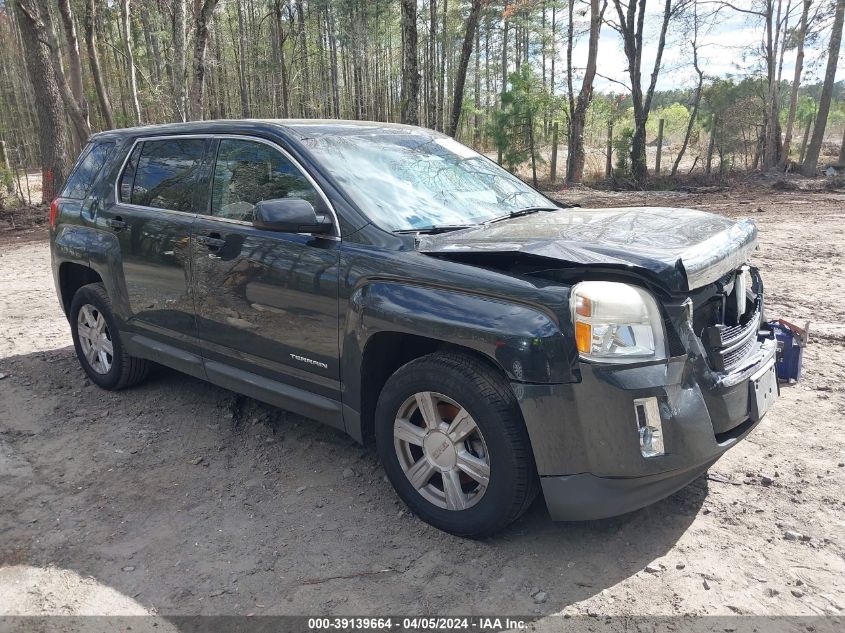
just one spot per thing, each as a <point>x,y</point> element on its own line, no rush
<point>586,438</point>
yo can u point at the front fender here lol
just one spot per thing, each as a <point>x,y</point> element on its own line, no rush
<point>524,341</point>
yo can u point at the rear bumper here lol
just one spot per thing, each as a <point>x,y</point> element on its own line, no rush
<point>585,436</point>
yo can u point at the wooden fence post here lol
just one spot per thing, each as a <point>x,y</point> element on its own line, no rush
<point>553,174</point>
<point>709,162</point>
<point>660,124</point>
<point>608,165</point>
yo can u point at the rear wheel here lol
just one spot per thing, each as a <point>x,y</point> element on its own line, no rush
<point>97,341</point>
<point>453,444</point>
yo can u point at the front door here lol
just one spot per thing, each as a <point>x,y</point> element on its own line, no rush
<point>151,220</point>
<point>266,302</point>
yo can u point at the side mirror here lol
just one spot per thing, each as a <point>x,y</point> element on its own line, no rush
<point>289,215</point>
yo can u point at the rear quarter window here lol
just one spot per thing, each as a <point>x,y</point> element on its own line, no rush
<point>87,169</point>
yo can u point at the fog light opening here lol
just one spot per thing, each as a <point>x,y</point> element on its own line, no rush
<point>649,426</point>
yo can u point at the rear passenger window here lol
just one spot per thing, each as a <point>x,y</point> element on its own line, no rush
<point>165,174</point>
<point>247,172</point>
<point>79,184</point>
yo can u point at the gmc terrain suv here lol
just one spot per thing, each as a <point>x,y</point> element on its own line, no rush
<point>394,284</point>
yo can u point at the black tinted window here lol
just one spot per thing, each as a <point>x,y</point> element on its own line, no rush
<point>79,184</point>
<point>166,173</point>
<point>128,176</point>
<point>248,172</point>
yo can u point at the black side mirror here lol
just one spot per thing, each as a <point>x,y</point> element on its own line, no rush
<point>289,215</point>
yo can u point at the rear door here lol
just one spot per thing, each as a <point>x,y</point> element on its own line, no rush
<point>266,302</point>
<point>149,222</point>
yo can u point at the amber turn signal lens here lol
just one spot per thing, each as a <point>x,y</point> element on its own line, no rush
<point>583,336</point>
<point>583,306</point>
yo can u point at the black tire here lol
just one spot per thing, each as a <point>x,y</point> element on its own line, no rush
<point>488,398</point>
<point>125,370</point>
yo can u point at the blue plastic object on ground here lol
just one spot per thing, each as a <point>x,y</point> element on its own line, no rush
<point>791,342</point>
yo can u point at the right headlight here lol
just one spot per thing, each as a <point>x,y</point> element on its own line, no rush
<point>616,322</point>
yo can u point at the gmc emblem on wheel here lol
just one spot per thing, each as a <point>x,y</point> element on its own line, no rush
<point>439,450</point>
<point>310,361</point>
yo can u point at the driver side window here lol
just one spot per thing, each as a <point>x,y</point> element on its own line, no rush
<point>247,172</point>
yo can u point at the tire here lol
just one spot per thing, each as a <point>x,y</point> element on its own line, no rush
<point>456,384</point>
<point>123,370</point>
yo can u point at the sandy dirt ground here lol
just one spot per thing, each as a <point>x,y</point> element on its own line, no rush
<point>177,497</point>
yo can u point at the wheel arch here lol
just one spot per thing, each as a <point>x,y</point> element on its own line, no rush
<point>390,323</point>
<point>384,353</point>
<point>72,277</point>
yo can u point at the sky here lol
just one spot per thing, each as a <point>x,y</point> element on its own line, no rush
<point>725,49</point>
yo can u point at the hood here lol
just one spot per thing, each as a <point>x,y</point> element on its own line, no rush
<point>683,248</point>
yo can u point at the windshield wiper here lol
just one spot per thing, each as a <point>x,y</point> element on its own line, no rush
<point>520,212</point>
<point>431,230</point>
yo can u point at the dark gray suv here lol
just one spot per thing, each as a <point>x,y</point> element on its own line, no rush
<point>394,284</point>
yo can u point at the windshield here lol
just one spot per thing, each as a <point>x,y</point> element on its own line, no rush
<point>416,179</point>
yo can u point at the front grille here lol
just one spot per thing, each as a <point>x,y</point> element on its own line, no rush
<point>731,359</point>
<point>728,345</point>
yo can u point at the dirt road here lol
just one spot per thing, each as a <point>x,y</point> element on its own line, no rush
<point>178,497</point>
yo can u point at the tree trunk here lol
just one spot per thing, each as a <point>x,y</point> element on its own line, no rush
<point>334,66</point>
<point>94,63</point>
<point>578,117</point>
<point>805,140</point>
<point>180,46</point>
<point>303,53</point>
<point>204,18</point>
<point>811,160</point>
<point>130,58</point>
<point>220,74</point>
<point>690,124</point>
<point>770,123</point>
<point>477,100</point>
<point>441,86</point>
<point>554,51</point>
<point>504,77</point>
<point>78,118</point>
<point>708,164</point>
<point>74,62</point>
<point>631,23</point>
<point>246,112</point>
<point>463,64</point>
<point>153,44</point>
<point>431,108</point>
<point>796,83</point>
<point>409,110</point>
<point>841,160</point>
<point>52,129</point>
<point>696,99</point>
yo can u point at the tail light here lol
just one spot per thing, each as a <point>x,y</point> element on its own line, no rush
<point>54,212</point>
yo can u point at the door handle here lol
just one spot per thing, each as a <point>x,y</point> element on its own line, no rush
<point>212,241</point>
<point>116,223</point>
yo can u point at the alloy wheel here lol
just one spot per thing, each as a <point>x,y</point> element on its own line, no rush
<point>441,451</point>
<point>95,338</point>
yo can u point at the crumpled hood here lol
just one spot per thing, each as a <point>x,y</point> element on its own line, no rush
<point>683,248</point>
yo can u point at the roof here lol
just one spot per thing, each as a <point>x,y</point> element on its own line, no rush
<point>301,128</point>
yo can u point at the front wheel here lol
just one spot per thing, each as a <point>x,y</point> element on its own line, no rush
<point>451,437</point>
